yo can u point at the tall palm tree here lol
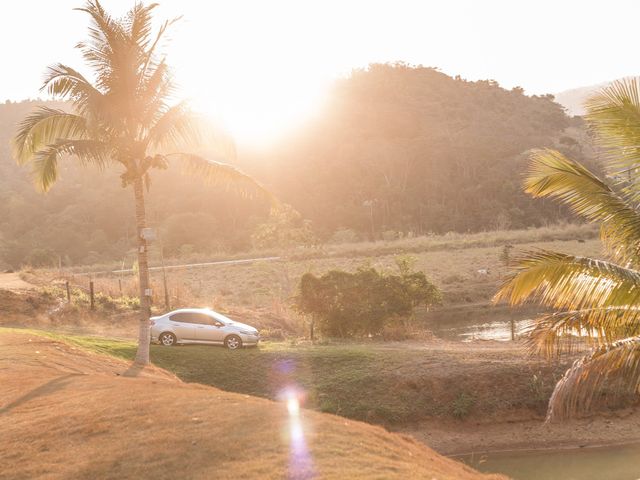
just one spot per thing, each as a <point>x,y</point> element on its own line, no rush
<point>124,118</point>
<point>597,301</point>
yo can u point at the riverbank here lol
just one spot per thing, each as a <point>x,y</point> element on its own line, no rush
<point>453,438</point>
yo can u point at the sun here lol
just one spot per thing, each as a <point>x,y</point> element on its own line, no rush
<point>260,112</point>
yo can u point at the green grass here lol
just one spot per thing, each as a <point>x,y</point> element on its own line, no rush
<point>377,383</point>
<point>355,381</point>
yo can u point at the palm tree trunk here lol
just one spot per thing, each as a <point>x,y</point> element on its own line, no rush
<point>142,355</point>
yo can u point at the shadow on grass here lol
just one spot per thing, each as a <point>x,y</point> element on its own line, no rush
<point>47,388</point>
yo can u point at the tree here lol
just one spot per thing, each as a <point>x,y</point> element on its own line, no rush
<point>123,119</point>
<point>596,300</point>
<point>361,303</point>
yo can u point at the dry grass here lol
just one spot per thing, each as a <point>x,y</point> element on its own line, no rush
<point>261,293</point>
<point>65,413</point>
<point>269,284</point>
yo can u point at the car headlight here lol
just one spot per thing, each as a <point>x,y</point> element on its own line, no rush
<point>247,332</point>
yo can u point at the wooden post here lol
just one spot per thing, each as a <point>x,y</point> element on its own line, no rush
<point>120,285</point>
<point>68,292</point>
<point>513,330</point>
<point>91,294</point>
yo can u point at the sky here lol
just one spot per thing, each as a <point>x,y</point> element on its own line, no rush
<point>262,67</point>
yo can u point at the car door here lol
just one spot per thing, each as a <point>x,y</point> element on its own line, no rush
<point>208,329</point>
<point>182,326</point>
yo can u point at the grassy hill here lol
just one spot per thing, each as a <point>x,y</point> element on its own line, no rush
<point>67,413</point>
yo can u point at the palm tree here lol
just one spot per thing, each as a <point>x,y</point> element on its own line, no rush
<point>596,301</point>
<point>124,119</point>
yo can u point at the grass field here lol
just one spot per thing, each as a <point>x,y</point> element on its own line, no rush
<point>261,293</point>
<point>386,383</point>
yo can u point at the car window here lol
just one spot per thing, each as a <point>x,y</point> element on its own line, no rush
<point>182,317</point>
<point>201,319</point>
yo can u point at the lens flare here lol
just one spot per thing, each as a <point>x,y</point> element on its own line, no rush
<point>300,463</point>
<point>293,406</point>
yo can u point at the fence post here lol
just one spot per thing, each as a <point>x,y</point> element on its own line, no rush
<point>120,285</point>
<point>513,330</point>
<point>68,292</point>
<point>91,294</point>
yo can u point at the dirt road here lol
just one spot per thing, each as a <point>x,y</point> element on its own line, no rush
<point>13,282</point>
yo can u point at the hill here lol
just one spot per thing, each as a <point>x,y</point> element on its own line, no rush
<point>573,100</point>
<point>411,149</point>
<point>396,150</point>
<point>64,415</point>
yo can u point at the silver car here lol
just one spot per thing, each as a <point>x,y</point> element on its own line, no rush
<point>201,325</point>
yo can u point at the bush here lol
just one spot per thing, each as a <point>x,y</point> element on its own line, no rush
<point>363,303</point>
<point>462,405</point>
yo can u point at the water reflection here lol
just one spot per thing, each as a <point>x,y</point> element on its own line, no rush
<point>610,463</point>
<point>486,323</point>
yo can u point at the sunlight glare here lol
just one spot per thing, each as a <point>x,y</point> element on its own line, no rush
<point>293,406</point>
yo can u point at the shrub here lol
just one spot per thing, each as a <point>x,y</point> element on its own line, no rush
<point>364,302</point>
<point>462,405</point>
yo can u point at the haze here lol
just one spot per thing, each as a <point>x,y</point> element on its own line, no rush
<point>261,68</point>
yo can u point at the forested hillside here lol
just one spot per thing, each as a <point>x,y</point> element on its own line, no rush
<point>87,217</point>
<point>395,149</point>
<point>412,149</point>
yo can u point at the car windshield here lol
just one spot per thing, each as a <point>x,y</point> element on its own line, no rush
<point>220,317</point>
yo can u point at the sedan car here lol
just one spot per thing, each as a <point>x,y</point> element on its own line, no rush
<point>201,325</point>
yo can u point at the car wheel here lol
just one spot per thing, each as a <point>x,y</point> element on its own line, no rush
<point>168,339</point>
<point>233,342</point>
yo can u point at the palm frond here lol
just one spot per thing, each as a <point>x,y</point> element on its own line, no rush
<point>563,332</point>
<point>105,35</point>
<point>139,23</point>
<point>64,82</point>
<point>45,160</point>
<point>569,282</point>
<point>43,127</point>
<point>552,175</point>
<point>222,174</point>
<point>613,113</point>
<point>616,364</point>
<point>176,128</point>
<point>155,90</point>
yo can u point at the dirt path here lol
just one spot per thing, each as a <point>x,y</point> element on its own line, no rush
<point>13,283</point>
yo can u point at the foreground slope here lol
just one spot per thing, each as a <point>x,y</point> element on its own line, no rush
<point>66,413</point>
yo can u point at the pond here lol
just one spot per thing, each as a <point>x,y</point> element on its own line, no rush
<point>610,463</point>
<point>482,322</point>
